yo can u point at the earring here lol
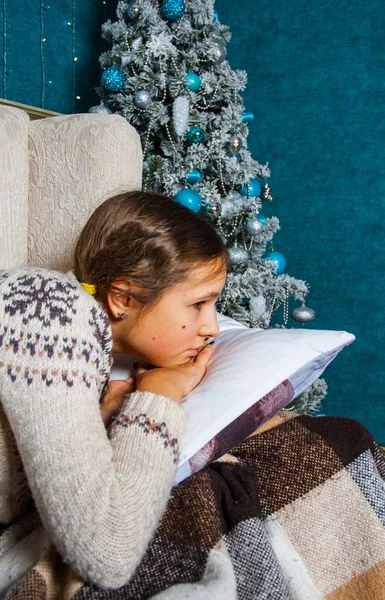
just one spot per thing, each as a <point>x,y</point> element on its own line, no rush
<point>121,316</point>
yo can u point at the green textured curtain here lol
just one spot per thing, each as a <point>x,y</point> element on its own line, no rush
<point>317,89</point>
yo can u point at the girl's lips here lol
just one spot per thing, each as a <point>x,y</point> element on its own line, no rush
<point>195,351</point>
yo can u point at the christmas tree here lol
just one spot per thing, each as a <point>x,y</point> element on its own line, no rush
<point>166,72</point>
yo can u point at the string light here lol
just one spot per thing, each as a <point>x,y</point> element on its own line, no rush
<point>74,56</point>
<point>105,19</point>
<point>4,48</point>
<point>42,40</point>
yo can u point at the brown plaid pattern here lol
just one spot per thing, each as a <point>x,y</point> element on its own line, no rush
<point>295,511</point>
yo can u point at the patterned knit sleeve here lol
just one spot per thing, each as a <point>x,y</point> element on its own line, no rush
<point>100,496</point>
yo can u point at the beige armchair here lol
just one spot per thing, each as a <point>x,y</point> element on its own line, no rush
<point>55,172</point>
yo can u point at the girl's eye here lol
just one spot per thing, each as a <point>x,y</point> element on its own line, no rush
<point>197,305</point>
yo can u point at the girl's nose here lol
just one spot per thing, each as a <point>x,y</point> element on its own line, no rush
<point>210,328</point>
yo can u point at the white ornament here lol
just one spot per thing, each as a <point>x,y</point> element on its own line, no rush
<point>237,201</point>
<point>257,305</point>
<point>136,43</point>
<point>161,45</point>
<point>101,109</point>
<point>233,195</point>
<point>227,209</point>
<point>126,58</point>
<point>180,115</point>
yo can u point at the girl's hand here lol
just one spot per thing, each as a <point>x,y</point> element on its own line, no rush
<point>114,399</point>
<point>175,382</point>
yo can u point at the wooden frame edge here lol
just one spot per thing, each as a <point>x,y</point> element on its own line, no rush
<point>33,111</point>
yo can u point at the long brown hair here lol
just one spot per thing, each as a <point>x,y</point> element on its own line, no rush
<point>147,240</point>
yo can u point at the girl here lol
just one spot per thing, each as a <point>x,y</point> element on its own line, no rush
<point>147,275</point>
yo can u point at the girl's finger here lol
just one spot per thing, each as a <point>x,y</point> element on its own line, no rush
<point>204,355</point>
<point>140,371</point>
<point>130,385</point>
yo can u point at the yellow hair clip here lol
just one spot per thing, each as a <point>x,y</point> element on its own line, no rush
<point>88,287</point>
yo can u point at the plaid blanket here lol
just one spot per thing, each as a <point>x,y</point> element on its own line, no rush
<point>297,511</point>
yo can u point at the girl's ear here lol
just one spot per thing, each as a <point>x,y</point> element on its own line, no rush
<point>117,303</point>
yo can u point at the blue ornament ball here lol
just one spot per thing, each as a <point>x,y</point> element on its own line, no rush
<point>252,189</point>
<point>215,16</point>
<point>189,198</point>
<point>193,177</point>
<point>196,134</point>
<point>193,81</point>
<point>173,9</point>
<point>279,260</point>
<point>261,218</point>
<point>113,79</point>
<point>247,118</point>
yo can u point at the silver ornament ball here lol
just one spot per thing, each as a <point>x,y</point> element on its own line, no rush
<point>254,227</point>
<point>219,54</point>
<point>214,208</point>
<point>142,99</point>
<point>101,109</point>
<point>238,256</point>
<point>303,314</point>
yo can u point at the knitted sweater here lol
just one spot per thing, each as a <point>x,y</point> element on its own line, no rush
<point>99,494</point>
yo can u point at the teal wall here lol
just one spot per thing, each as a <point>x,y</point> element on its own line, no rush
<point>29,61</point>
<point>317,89</point>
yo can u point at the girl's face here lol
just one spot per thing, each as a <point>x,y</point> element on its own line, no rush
<point>182,322</point>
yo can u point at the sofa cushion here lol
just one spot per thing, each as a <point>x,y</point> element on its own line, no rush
<point>14,187</point>
<point>76,162</point>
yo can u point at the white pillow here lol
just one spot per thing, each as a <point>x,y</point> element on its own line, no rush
<point>249,366</point>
